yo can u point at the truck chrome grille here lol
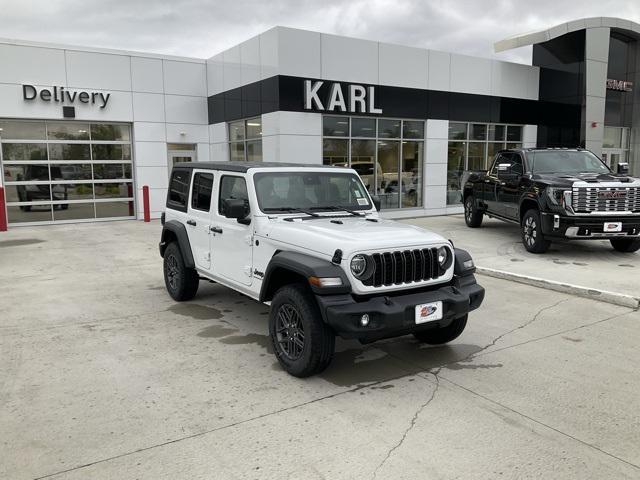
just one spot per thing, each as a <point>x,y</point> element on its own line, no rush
<point>606,199</point>
<point>407,266</point>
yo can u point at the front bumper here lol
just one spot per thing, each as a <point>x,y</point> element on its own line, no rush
<point>588,227</point>
<point>393,315</point>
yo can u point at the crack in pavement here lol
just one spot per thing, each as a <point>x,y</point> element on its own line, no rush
<point>409,428</point>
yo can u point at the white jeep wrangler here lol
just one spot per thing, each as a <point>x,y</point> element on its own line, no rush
<point>309,242</point>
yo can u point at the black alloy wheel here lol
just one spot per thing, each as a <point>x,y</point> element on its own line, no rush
<point>289,331</point>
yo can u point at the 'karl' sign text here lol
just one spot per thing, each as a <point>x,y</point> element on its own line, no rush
<point>60,95</point>
<point>353,99</point>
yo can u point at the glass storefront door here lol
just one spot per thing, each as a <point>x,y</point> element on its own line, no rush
<point>63,171</point>
<point>615,146</point>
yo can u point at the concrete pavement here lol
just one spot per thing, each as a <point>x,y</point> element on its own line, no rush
<point>102,375</point>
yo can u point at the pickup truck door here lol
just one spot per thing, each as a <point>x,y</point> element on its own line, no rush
<point>492,185</point>
<point>511,186</point>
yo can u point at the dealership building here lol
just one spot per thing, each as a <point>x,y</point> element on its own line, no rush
<point>82,130</point>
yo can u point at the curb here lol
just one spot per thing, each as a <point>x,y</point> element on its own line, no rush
<point>590,293</point>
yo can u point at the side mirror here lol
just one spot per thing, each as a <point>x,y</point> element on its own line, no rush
<point>234,208</point>
<point>376,202</point>
<point>623,169</point>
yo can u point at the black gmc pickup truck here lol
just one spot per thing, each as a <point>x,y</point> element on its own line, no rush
<point>556,194</point>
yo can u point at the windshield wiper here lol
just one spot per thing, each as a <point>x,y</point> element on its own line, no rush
<point>290,209</point>
<point>337,208</point>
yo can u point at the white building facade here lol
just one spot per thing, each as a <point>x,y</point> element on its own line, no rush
<point>82,130</point>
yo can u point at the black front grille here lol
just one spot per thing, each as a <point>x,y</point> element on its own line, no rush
<point>408,266</point>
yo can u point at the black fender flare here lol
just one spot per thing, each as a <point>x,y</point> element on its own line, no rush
<point>305,266</point>
<point>526,198</point>
<point>178,230</point>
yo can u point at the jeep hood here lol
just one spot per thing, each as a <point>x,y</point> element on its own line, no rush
<point>325,235</point>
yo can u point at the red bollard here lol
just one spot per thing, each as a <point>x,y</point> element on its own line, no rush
<point>145,203</point>
<point>3,212</point>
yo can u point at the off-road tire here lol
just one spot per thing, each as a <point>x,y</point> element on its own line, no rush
<point>472,215</point>
<point>626,245</point>
<point>181,282</point>
<point>531,230</point>
<point>438,336</point>
<point>318,341</point>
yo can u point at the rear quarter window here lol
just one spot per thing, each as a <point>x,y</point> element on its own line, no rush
<point>178,193</point>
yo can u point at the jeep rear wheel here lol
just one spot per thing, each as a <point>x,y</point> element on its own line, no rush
<point>472,216</point>
<point>532,237</point>
<point>181,282</point>
<point>626,245</point>
<point>438,336</point>
<point>302,342</point>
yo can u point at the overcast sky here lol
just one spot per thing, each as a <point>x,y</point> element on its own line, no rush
<point>200,28</point>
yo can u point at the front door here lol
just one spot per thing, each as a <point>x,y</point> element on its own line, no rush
<point>198,222</point>
<point>510,188</point>
<point>232,242</point>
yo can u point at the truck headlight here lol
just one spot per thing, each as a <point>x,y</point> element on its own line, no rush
<point>559,196</point>
<point>359,266</point>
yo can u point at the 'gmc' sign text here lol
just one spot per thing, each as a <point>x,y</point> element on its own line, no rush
<point>352,99</point>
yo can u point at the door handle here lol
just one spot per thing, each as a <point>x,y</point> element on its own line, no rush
<point>216,229</point>
<point>191,222</point>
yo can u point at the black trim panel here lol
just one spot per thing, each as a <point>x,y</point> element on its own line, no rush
<point>180,232</point>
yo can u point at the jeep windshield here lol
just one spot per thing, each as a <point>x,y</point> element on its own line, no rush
<point>562,161</point>
<point>307,192</point>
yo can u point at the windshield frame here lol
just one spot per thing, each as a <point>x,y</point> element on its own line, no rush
<point>315,208</point>
<point>531,161</point>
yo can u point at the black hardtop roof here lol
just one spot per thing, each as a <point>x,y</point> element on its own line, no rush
<point>243,167</point>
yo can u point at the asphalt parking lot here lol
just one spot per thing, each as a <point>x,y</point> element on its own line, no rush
<point>103,376</point>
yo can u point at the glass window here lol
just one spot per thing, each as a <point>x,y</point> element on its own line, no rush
<point>24,151</point>
<point>236,152</point>
<point>456,155</point>
<point>67,131</point>
<point>492,149</point>
<point>363,159</point>
<point>335,152</point>
<point>388,178</point>
<point>69,151</point>
<point>232,187</point>
<point>73,171</point>
<point>201,191</point>
<point>73,211</point>
<point>496,133</point>
<point>236,131</point>
<point>476,159</point>
<point>335,126</point>
<point>179,190</point>
<point>71,191</point>
<point>254,127</point>
<point>457,131</point>
<point>514,145</point>
<point>29,213</point>
<point>514,133</point>
<point>105,132</point>
<point>478,132</point>
<point>14,130</point>
<point>28,193</point>
<point>114,190</point>
<point>388,128</point>
<point>25,173</point>
<point>412,129</point>
<point>254,151</point>
<point>113,151</point>
<point>104,171</point>
<point>411,173</point>
<point>612,137</point>
<point>363,127</point>
<point>114,209</point>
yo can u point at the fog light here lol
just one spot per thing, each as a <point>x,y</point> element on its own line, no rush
<point>364,320</point>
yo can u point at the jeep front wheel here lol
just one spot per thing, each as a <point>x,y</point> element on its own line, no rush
<point>626,245</point>
<point>438,336</point>
<point>302,342</point>
<point>181,282</point>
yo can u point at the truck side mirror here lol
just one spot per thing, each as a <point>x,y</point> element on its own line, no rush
<point>376,202</point>
<point>623,169</point>
<point>234,208</point>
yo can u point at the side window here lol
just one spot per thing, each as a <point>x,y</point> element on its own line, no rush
<point>233,188</point>
<point>502,158</point>
<point>516,164</point>
<point>201,191</point>
<point>179,190</point>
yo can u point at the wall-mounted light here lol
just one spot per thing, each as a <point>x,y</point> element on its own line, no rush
<point>182,134</point>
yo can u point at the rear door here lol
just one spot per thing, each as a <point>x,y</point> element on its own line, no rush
<point>198,220</point>
<point>232,239</point>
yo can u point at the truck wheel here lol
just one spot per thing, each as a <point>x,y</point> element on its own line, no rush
<point>532,237</point>
<point>302,342</point>
<point>439,336</point>
<point>181,282</point>
<point>472,216</point>
<point>627,245</point>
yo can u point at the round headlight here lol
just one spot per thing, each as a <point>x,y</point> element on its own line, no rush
<point>358,265</point>
<point>443,256</point>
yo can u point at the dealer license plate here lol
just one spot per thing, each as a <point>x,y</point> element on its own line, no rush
<point>612,226</point>
<point>428,312</point>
